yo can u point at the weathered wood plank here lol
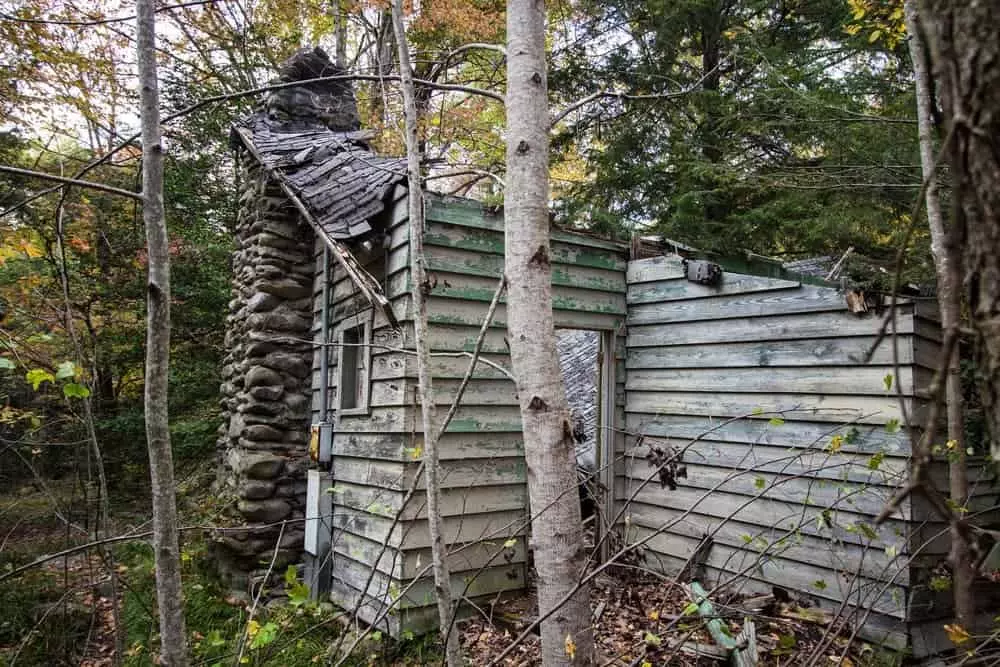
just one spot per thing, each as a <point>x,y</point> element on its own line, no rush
<point>379,420</point>
<point>768,541</point>
<point>484,394</point>
<point>421,594</point>
<point>498,419</point>
<point>807,379</point>
<point>468,557</point>
<point>465,262</point>
<point>763,328</point>
<point>446,368</point>
<point>389,561</point>
<point>470,313</point>
<point>455,502</point>
<point>718,505</point>
<point>458,338</point>
<point>564,249</point>
<point>832,408</point>
<point>414,534</point>
<point>478,289</point>
<point>814,352</point>
<point>831,494</point>
<point>818,462</point>
<point>679,289</point>
<point>452,446</point>
<point>402,475</point>
<point>857,437</point>
<point>472,214</point>
<point>418,620</point>
<point>793,300</point>
<point>666,267</point>
<point>737,564</point>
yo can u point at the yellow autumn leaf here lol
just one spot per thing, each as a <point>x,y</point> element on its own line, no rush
<point>30,249</point>
<point>570,647</point>
<point>646,663</point>
<point>951,445</point>
<point>654,615</point>
<point>956,633</point>
<point>253,627</point>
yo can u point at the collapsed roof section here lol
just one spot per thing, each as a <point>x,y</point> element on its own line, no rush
<point>306,137</point>
<point>334,175</point>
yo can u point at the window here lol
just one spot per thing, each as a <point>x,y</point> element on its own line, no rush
<point>353,385</point>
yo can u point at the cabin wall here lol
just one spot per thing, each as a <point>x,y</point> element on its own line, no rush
<point>791,443</point>
<point>367,474</point>
<point>464,245</point>
<point>376,456</point>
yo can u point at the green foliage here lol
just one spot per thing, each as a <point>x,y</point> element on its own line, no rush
<point>775,145</point>
<point>37,376</point>
<point>298,634</point>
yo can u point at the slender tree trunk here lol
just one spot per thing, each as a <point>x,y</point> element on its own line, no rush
<point>965,53</point>
<point>173,638</point>
<point>442,578</point>
<point>340,32</point>
<point>557,535</point>
<point>947,263</point>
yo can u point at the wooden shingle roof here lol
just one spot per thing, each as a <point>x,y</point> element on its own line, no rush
<point>333,175</point>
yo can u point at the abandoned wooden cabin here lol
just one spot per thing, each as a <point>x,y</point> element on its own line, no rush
<point>791,442</point>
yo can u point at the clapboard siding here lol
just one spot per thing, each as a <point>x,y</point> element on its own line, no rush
<point>377,454</point>
<point>792,442</point>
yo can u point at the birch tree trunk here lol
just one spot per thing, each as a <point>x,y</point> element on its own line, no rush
<point>442,578</point>
<point>948,266</point>
<point>557,534</point>
<point>173,637</point>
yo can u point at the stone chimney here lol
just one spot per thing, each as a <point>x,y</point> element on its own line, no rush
<point>330,103</point>
<point>266,391</point>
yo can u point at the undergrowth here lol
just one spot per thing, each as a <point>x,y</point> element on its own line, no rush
<point>298,632</point>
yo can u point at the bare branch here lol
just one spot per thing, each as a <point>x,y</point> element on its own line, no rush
<point>94,22</point>
<point>68,181</point>
<point>593,97</point>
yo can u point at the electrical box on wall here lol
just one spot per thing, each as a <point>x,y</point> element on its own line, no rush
<point>319,511</point>
<point>321,442</point>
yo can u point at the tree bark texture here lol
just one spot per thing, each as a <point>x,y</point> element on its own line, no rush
<point>557,536</point>
<point>173,637</point>
<point>439,565</point>
<point>965,54</point>
<point>948,266</point>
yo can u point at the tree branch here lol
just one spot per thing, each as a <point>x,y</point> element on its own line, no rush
<point>69,181</point>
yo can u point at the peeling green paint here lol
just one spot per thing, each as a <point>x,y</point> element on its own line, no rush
<point>472,425</point>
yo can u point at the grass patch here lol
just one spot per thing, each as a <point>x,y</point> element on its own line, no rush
<point>296,633</point>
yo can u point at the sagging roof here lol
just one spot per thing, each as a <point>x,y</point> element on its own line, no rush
<point>338,180</point>
<point>306,136</point>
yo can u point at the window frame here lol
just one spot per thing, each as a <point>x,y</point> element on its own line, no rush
<point>362,320</point>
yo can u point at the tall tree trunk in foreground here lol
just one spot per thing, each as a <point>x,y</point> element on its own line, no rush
<point>948,266</point>
<point>965,54</point>
<point>556,529</point>
<point>339,12</point>
<point>442,578</point>
<point>173,638</point>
